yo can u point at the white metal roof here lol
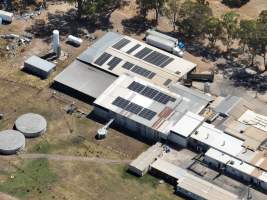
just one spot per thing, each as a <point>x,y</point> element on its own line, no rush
<point>173,71</point>
<point>168,168</point>
<point>204,188</point>
<point>166,114</point>
<point>187,124</point>
<point>254,119</point>
<point>143,161</point>
<point>217,139</point>
<point>231,161</point>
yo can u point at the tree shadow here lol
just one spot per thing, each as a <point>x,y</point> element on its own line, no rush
<point>198,49</point>
<point>256,82</point>
<point>67,23</point>
<point>137,25</point>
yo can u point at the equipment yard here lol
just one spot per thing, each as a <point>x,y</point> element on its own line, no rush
<point>90,109</point>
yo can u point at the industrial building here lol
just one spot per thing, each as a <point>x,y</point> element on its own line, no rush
<point>175,115</point>
<point>39,67</point>
<point>137,86</point>
<point>118,54</point>
<point>83,80</point>
<point>145,108</point>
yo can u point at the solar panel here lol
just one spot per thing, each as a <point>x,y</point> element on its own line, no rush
<point>136,87</point>
<point>134,108</point>
<point>141,71</point>
<point>151,75</point>
<point>121,102</point>
<point>127,65</point>
<point>102,59</point>
<point>167,82</point>
<point>143,52</point>
<point>158,59</point>
<point>133,48</point>
<point>121,43</point>
<point>149,92</point>
<point>162,98</point>
<point>114,62</point>
<point>168,61</point>
<point>147,114</point>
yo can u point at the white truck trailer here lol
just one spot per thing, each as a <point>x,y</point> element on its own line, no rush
<point>6,16</point>
<point>164,43</point>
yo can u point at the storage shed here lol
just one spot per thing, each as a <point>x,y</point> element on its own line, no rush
<point>39,67</point>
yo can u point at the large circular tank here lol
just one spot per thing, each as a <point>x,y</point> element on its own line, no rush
<point>11,142</point>
<point>31,125</point>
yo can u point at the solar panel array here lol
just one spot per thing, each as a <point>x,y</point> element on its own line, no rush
<point>133,48</point>
<point>121,44</point>
<point>138,70</point>
<point>158,59</point>
<point>143,53</point>
<point>147,114</point>
<point>134,108</point>
<point>154,57</point>
<point>102,59</point>
<point>150,93</point>
<point>114,62</point>
<point>127,65</point>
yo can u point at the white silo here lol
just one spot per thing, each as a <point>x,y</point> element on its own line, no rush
<point>56,44</point>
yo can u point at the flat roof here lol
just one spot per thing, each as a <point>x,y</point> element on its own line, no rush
<point>227,104</point>
<point>85,79</point>
<point>146,62</point>
<point>168,168</point>
<point>40,63</point>
<point>187,124</point>
<point>165,107</point>
<point>237,164</point>
<point>204,188</point>
<point>217,139</point>
<point>254,119</point>
<point>143,161</point>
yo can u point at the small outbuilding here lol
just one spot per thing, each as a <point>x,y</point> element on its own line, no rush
<point>38,66</point>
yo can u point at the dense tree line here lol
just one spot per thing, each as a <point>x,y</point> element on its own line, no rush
<point>195,20</point>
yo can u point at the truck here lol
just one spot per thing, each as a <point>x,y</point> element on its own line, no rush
<point>6,16</point>
<point>164,42</point>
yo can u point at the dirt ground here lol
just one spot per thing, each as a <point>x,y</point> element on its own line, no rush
<point>250,10</point>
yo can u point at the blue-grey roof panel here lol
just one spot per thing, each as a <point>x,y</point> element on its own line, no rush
<point>40,63</point>
<point>99,47</point>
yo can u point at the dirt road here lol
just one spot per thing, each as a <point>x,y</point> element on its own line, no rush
<point>57,157</point>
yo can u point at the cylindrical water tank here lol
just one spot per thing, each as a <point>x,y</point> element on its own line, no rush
<point>11,142</point>
<point>31,125</point>
<point>74,40</point>
<point>56,44</point>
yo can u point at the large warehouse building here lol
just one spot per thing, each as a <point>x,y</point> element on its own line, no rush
<point>145,108</point>
<point>114,55</point>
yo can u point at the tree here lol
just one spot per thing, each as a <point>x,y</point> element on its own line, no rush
<point>193,17</point>
<point>249,36</point>
<point>213,30</point>
<point>172,11</point>
<point>94,7</point>
<point>262,27</point>
<point>230,26</point>
<point>146,5</point>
